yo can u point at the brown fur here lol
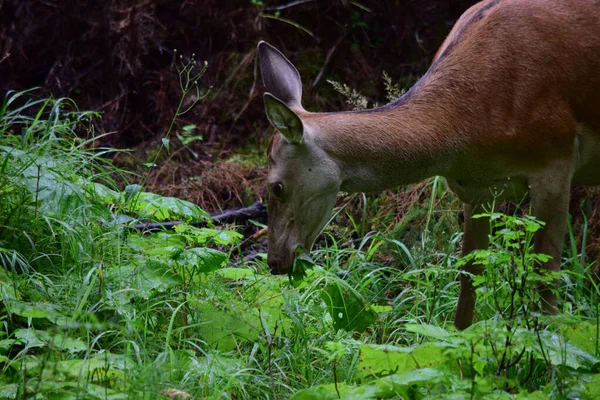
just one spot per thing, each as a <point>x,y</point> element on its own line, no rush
<point>512,98</point>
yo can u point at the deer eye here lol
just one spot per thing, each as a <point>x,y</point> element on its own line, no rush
<point>277,189</point>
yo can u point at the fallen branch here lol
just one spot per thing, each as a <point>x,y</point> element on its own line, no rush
<point>237,215</point>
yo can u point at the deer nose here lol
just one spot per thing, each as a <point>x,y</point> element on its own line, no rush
<point>275,264</point>
<point>274,267</point>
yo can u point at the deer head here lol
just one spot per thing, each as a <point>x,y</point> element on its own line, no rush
<point>303,179</point>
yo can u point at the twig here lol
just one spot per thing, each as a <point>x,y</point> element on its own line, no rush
<point>253,238</point>
<point>238,215</point>
<point>327,59</point>
<point>288,5</point>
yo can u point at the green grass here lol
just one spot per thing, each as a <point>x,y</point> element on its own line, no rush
<point>95,310</point>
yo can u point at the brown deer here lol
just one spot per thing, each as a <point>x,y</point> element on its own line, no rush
<point>512,100</point>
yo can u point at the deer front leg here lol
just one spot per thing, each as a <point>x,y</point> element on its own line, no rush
<point>475,237</point>
<point>550,203</point>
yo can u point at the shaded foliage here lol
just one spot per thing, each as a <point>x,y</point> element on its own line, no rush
<point>117,56</point>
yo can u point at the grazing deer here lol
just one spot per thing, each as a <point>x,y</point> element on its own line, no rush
<point>512,100</point>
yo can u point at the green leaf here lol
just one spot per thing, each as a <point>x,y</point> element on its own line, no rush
<point>302,263</point>
<point>348,309</point>
<point>187,129</point>
<point>592,386</point>
<point>75,391</point>
<point>221,237</point>
<point>9,391</point>
<point>582,335</point>
<point>104,361</point>
<point>189,139</point>
<point>187,135</point>
<point>40,338</point>
<point>35,310</point>
<point>8,291</point>
<point>201,259</point>
<point>430,331</point>
<point>223,326</point>
<point>382,309</point>
<point>166,143</point>
<point>323,392</point>
<point>131,191</point>
<point>383,360</point>
<point>103,193</point>
<point>537,395</point>
<point>154,206</point>
<point>152,277</point>
<point>236,274</point>
<point>389,387</point>
<point>563,353</point>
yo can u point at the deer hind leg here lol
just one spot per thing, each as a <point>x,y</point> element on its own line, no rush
<point>476,233</point>
<point>550,202</point>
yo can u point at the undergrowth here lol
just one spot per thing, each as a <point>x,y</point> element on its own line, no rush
<point>94,309</point>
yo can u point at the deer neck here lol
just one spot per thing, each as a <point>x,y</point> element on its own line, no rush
<point>401,143</point>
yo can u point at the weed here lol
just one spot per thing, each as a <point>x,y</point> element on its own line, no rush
<point>95,310</point>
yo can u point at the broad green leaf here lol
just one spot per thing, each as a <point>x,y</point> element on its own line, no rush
<point>40,338</point>
<point>6,344</point>
<point>156,207</point>
<point>212,364</point>
<point>195,235</point>
<point>537,395</point>
<point>592,386</point>
<point>35,310</point>
<point>383,360</point>
<point>131,191</point>
<point>54,188</point>
<point>399,384</point>
<point>324,392</point>
<point>236,274</point>
<point>430,331</point>
<point>302,264</point>
<point>106,195</point>
<point>157,244</point>
<point>584,336</point>
<point>108,363</point>
<point>389,387</point>
<point>9,391</point>
<point>152,277</point>
<point>573,357</point>
<point>201,259</point>
<point>563,353</point>
<point>57,390</point>
<point>8,291</point>
<point>348,309</point>
<point>224,325</point>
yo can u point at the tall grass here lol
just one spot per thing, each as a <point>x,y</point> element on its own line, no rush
<point>93,309</point>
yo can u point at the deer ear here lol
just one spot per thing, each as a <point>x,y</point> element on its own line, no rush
<point>279,75</point>
<point>284,119</point>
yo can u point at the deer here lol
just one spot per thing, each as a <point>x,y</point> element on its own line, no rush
<point>511,100</point>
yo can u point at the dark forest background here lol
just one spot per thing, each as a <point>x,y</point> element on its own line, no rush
<point>116,57</point>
